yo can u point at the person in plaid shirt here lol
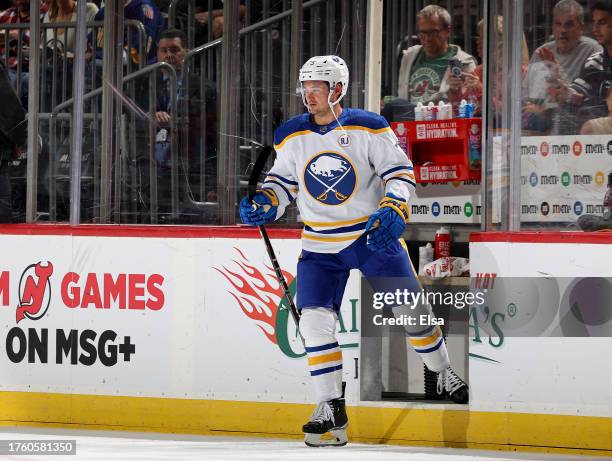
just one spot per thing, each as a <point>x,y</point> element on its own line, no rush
<point>19,13</point>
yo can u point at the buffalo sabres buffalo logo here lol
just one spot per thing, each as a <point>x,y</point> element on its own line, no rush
<point>330,178</point>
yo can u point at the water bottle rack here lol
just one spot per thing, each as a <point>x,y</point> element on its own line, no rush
<point>442,150</point>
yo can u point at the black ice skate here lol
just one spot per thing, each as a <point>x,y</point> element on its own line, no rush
<point>330,417</point>
<point>453,386</point>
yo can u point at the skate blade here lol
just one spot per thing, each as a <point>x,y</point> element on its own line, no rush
<point>338,438</point>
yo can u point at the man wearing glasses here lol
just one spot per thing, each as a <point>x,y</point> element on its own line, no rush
<point>425,72</point>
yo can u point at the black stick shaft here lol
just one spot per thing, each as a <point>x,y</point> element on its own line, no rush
<point>281,278</point>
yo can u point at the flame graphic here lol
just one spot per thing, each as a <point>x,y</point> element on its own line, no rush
<point>257,297</point>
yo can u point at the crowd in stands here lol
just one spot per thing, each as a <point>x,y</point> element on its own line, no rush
<point>565,83</point>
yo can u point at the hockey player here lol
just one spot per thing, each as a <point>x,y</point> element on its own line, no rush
<point>352,183</point>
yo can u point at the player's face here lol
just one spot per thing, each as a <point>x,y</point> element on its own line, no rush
<point>433,35</point>
<point>567,30</point>
<point>316,93</point>
<point>171,50</point>
<point>602,27</point>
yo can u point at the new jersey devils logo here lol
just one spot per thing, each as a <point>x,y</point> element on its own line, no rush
<point>35,296</point>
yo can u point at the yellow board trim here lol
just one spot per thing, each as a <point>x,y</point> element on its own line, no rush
<point>336,223</point>
<point>333,357</point>
<point>404,425</point>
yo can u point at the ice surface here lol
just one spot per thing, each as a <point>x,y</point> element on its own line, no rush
<point>107,445</point>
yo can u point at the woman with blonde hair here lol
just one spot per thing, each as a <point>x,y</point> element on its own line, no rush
<point>64,11</point>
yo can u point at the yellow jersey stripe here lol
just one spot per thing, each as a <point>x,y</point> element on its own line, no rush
<point>336,223</point>
<point>332,239</point>
<point>364,128</point>
<point>408,175</point>
<point>333,357</point>
<point>292,135</point>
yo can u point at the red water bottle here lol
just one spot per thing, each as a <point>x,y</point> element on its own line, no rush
<point>442,243</point>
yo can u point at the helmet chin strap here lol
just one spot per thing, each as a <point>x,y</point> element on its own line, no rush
<point>331,107</point>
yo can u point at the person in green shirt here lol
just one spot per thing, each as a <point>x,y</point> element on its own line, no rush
<point>425,69</point>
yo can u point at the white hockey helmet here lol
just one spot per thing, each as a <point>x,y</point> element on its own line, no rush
<point>330,69</point>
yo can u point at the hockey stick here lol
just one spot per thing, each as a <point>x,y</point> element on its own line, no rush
<point>260,163</point>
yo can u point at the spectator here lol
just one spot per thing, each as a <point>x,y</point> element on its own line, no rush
<point>65,11</point>
<point>560,59</point>
<point>424,71</point>
<point>196,149</point>
<point>13,133</point>
<point>589,90</point>
<point>601,125</point>
<point>471,89</point>
<point>19,13</point>
<point>216,18</point>
<point>148,14</point>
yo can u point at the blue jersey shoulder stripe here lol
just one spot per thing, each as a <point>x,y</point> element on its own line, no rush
<point>397,168</point>
<point>285,180</point>
<point>293,125</point>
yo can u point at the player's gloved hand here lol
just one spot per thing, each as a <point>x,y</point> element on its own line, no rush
<point>387,224</point>
<point>261,209</point>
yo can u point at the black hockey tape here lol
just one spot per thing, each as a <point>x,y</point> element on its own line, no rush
<point>258,169</point>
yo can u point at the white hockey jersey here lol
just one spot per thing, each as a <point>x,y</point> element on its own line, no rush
<point>338,175</point>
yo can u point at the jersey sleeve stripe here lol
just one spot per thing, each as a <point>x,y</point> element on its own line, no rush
<point>289,196</point>
<point>336,223</point>
<point>285,180</point>
<point>338,230</point>
<point>397,168</point>
<point>412,183</point>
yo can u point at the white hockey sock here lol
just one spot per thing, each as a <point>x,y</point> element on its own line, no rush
<point>427,341</point>
<point>430,345</point>
<point>318,327</point>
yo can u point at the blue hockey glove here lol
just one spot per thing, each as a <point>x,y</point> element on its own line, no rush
<point>261,210</point>
<point>387,224</point>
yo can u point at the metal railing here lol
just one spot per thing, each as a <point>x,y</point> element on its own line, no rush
<point>135,123</point>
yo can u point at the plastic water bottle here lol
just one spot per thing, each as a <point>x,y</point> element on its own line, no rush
<point>441,110</point>
<point>429,115</point>
<point>418,112</point>
<point>434,111</point>
<point>469,110</point>
<point>462,108</point>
